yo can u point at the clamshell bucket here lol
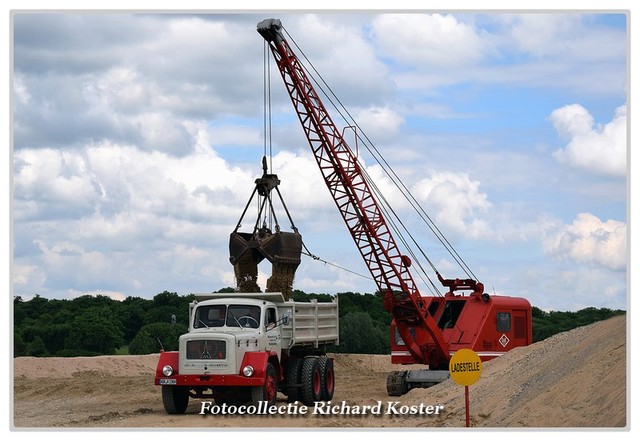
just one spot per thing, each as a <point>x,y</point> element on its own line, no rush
<point>282,249</point>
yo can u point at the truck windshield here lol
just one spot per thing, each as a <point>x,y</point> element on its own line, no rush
<point>243,316</point>
<point>210,316</point>
<point>238,316</point>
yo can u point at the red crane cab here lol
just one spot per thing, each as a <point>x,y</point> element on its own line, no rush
<point>488,325</point>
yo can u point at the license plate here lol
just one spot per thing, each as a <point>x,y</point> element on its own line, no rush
<point>166,381</point>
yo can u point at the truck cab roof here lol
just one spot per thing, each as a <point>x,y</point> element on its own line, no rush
<point>275,297</point>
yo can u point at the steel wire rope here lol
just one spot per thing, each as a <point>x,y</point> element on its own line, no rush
<point>388,171</point>
<point>268,146</point>
<point>385,206</point>
<point>306,252</point>
<point>390,214</point>
<point>266,97</point>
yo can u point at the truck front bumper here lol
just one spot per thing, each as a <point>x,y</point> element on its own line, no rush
<point>209,380</point>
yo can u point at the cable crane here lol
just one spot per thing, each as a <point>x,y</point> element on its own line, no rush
<point>426,330</point>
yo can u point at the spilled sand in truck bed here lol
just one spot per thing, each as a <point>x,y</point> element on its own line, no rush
<point>576,379</point>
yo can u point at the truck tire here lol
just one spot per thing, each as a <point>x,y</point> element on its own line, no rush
<point>292,377</point>
<point>311,379</point>
<point>268,391</point>
<point>328,378</point>
<point>175,399</point>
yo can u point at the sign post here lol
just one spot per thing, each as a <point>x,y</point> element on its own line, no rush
<point>465,367</point>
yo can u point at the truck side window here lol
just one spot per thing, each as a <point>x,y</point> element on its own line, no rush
<point>503,322</point>
<point>270,318</point>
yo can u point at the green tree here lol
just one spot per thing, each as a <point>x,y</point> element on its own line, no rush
<point>167,305</point>
<point>37,348</point>
<point>95,331</point>
<point>19,346</point>
<point>359,335</point>
<point>155,337</point>
<point>132,312</point>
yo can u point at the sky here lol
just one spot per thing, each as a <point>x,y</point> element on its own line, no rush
<point>136,140</point>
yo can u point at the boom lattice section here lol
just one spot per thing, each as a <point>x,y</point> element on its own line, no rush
<point>356,203</point>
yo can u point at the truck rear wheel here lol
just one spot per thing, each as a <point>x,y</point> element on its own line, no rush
<point>328,378</point>
<point>311,379</point>
<point>291,386</point>
<point>268,391</point>
<point>175,399</point>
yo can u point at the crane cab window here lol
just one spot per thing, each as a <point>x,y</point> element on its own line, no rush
<point>400,341</point>
<point>433,308</point>
<point>450,314</point>
<point>503,322</point>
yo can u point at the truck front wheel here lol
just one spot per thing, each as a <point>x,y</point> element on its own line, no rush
<point>175,399</point>
<point>267,392</point>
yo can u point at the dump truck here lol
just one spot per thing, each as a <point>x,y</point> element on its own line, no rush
<point>247,347</point>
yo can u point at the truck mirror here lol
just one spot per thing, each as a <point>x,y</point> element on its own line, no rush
<point>285,319</point>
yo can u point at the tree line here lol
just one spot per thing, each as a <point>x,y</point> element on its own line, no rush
<point>99,325</point>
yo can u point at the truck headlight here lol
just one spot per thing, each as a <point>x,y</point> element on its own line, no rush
<point>247,371</point>
<point>167,371</point>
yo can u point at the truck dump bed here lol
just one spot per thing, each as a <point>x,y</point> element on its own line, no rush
<point>310,323</point>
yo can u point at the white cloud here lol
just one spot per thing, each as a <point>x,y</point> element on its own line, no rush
<point>302,187</point>
<point>589,240</point>
<point>570,36</point>
<point>145,217</point>
<point>440,40</point>
<point>115,295</point>
<point>541,34</point>
<point>125,159</point>
<point>343,55</point>
<point>25,275</point>
<point>56,178</point>
<point>567,288</point>
<point>379,123</point>
<point>457,202</point>
<point>20,89</point>
<point>598,148</point>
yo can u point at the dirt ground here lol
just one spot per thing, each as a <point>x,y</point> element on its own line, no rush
<point>576,379</point>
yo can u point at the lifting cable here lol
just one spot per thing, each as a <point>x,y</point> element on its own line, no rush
<point>268,149</point>
<point>266,87</point>
<point>377,156</point>
<point>306,252</point>
<point>266,97</point>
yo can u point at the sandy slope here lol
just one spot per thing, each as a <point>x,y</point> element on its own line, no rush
<point>572,380</point>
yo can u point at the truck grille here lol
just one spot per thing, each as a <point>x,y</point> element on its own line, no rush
<point>206,349</point>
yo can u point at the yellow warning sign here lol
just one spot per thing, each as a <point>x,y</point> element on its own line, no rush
<point>465,367</point>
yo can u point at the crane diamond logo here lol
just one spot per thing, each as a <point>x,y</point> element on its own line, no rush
<point>504,340</point>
